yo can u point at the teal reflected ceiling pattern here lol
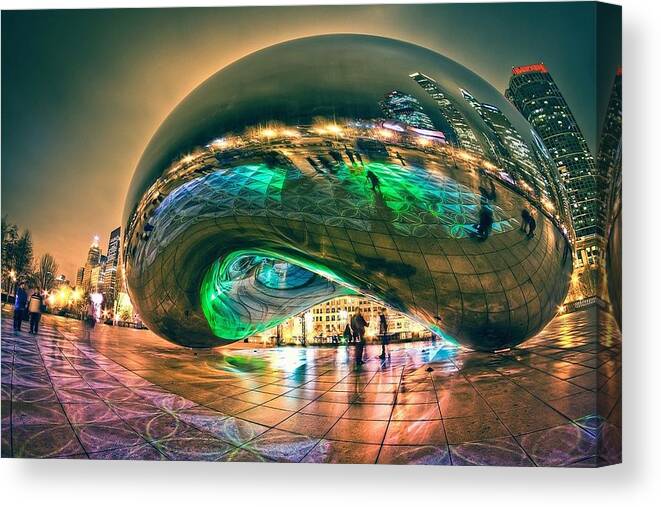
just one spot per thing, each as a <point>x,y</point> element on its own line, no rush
<point>252,204</point>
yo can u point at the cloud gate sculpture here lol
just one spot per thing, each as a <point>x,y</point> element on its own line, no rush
<point>346,164</point>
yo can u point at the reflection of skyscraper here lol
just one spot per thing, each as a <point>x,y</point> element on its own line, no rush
<point>110,276</point>
<point>511,148</point>
<point>406,109</point>
<point>93,257</point>
<point>609,156</point>
<point>460,131</point>
<point>535,94</point>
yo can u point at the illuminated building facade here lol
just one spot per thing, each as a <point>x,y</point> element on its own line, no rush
<point>111,265</point>
<point>536,95</point>
<point>406,109</point>
<point>458,128</point>
<point>331,317</point>
<point>93,260</point>
<point>80,276</point>
<point>96,278</point>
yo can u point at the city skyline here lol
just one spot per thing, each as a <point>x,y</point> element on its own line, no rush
<point>99,105</point>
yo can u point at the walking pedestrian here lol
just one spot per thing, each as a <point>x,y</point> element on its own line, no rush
<point>20,302</point>
<point>358,325</point>
<point>35,307</point>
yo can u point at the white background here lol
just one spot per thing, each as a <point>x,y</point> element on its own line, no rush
<point>636,482</point>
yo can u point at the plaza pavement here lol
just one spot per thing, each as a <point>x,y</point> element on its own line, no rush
<point>127,394</point>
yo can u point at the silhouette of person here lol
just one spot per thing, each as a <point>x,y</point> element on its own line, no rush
<point>485,223</point>
<point>34,307</point>
<point>532,225</point>
<point>525,220</point>
<point>20,302</point>
<point>348,334</point>
<point>350,155</point>
<point>374,180</point>
<point>358,326</point>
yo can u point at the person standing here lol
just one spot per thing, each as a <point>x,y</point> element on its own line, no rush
<point>20,302</point>
<point>486,222</point>
<point>525,220</point>
<point>358,325</point>
<point>383,331</point>
<point>89,319</point>
<point>532,225</point>
<point>35,307</point>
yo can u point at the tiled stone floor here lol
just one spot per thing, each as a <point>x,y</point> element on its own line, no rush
<point>127,394</point>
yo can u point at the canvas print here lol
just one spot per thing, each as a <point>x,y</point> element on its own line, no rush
<point>348,234</point>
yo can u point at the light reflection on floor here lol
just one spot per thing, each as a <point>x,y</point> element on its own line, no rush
<point>554,401</point>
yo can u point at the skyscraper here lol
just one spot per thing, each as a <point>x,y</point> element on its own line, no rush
<point>538,98</point>
<point>96,276</point>
<point>460,132</point>
<point>80,275</point>
<point>406,109</point>
<point>110,276</point>
<point>93,257</point>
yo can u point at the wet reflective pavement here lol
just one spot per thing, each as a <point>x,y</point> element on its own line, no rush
<point>127,394</point>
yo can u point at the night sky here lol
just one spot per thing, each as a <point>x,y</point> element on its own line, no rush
<point>84,91</point>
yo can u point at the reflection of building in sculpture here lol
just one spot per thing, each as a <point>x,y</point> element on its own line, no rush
<point>461,132</point>
<point>535,94</point>
<point>609,156</point>
<point>609,163</point>
<point>406,109</point>
<point>330,318</point>
<point>513,152</point>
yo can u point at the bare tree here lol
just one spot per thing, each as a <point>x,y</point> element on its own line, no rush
<point>43,277</point>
